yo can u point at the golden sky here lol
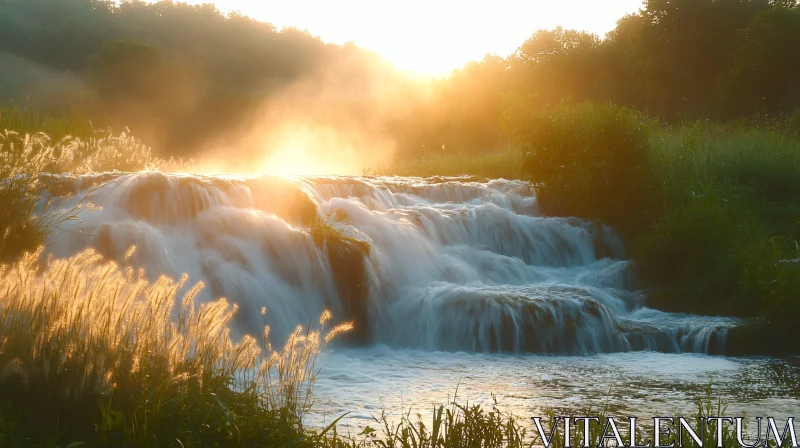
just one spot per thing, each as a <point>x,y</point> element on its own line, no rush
<point>435,36</point>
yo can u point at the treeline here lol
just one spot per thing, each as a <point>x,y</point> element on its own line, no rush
<point>182,76</point>
<point>678,60</point>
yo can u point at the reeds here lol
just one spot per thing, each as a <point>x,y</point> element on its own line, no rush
<point>22,159</point>
<point>84,341</point>
<point>453,425</point>
<point>55,123</point>
<point>25,157</point>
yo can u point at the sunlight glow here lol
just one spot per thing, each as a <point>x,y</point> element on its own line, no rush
<point>296,160</point>
<point>433,37</point>
<point>306,150</point>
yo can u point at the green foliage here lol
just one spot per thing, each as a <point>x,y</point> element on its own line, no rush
<point>166,70</point>
<point>709,210</point>
<point>777,273</point>
<point>455,425</point>
<point>586,160</point>
<point>56,125</point>
<point>133,79</point>
<point>556,64</point>
<point>765,74</point>
<point>496,163</point>
<point>727,218</point>
<point>130,68</point>
<point>697,256</point>
<point>668,57</point>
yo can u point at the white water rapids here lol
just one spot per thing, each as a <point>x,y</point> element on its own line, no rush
<point>449,266</point>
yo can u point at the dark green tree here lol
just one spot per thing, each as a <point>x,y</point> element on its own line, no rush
<point>765,77</point>
<point>556,64</point>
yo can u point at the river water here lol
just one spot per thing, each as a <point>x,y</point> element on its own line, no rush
<point>451,283</point>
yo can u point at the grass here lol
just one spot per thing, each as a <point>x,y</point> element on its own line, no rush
<point>706,405</point>
<point>56,124</point>
<point>27,155</point>
<point>728,216</point>
<point>94,353</point>
<point>452,425</point>
<point>24,159</point>
<point>496,163</point>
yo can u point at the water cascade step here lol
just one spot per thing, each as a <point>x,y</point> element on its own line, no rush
<point>455,264</point>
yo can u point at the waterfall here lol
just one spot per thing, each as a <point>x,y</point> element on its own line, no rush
<point>456,264</point>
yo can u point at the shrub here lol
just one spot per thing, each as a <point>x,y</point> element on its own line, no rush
<point>499,162</point>
<point>586,160</point>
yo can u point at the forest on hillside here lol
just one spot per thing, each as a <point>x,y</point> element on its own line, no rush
<point>183,78</point>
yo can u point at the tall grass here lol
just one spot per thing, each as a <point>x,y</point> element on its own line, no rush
<point>74,144</point>
<point>94,353</point>
<point>494,163</point>
<point>22,160</point>
<point>728,219</point>
<point>25,158</point>
<point>26,155</point>
<point>56,124</point>
<point>453,425</point>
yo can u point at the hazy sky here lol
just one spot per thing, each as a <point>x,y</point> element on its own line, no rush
<point>433,36</point>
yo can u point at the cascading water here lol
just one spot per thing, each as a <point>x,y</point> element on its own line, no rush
<point>451,264</point>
